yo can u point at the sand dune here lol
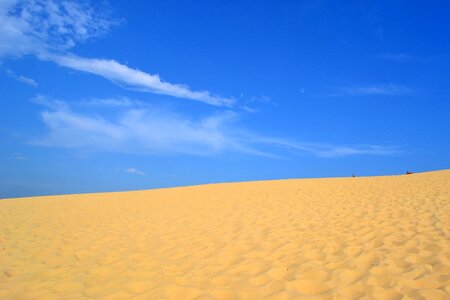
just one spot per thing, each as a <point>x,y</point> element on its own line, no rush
<point>342,238</point>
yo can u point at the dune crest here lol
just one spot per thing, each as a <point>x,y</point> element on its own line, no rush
<point>338,238</point>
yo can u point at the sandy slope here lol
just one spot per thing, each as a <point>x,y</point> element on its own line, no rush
<point>349,238</point>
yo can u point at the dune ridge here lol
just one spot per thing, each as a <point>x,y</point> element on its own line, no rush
<point>336,238</point>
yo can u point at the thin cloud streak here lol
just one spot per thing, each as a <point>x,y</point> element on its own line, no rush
<point>389,89</point>
<point>18,156</point>
<point>380,89</point>
<point>136,79</point>
<point>329,150</point>
<point>28,81</point>
<point>400,57</point>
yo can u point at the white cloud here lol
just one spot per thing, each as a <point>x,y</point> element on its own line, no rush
<point>136,79</point>
<point>379,89</point>
<point>135,171</point>
<point>49,28</point>
<point>154,131</point>
<point>39,26</point>
<point>23,79</point>
<point>137,130</point>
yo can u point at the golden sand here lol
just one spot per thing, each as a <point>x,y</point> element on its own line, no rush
<point>342,238</point>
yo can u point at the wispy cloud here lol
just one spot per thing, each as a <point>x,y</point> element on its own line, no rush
<point>48,29</point>
<point>18,156</point>
<point>329,150</point>
<point>137,130</point>
<point>155,131</point>
<point>389,89</point>
<point>39,26</point>
<point>136,79</point>
<point>380,89</point>
<point>23,79</point>
<point>135,171</point>
<point>400,57</point>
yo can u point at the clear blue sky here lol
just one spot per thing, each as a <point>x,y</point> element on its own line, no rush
<point>145,94</point>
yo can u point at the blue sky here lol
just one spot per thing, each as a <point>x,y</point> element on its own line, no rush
<point>137,95</point>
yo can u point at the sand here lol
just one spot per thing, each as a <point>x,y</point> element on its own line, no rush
<point>341,238</point>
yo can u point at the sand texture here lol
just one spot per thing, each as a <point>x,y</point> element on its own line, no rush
<point>342,238</point>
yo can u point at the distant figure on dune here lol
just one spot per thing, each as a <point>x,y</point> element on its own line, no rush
<point>409,172</point>
<point>353,175</point>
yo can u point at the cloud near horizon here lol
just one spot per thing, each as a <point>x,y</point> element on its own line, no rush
<point>135,171</point>
<point>154,131</point>
<point>48,29</point>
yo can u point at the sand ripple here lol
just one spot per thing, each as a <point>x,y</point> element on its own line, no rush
<point>348,238</point>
